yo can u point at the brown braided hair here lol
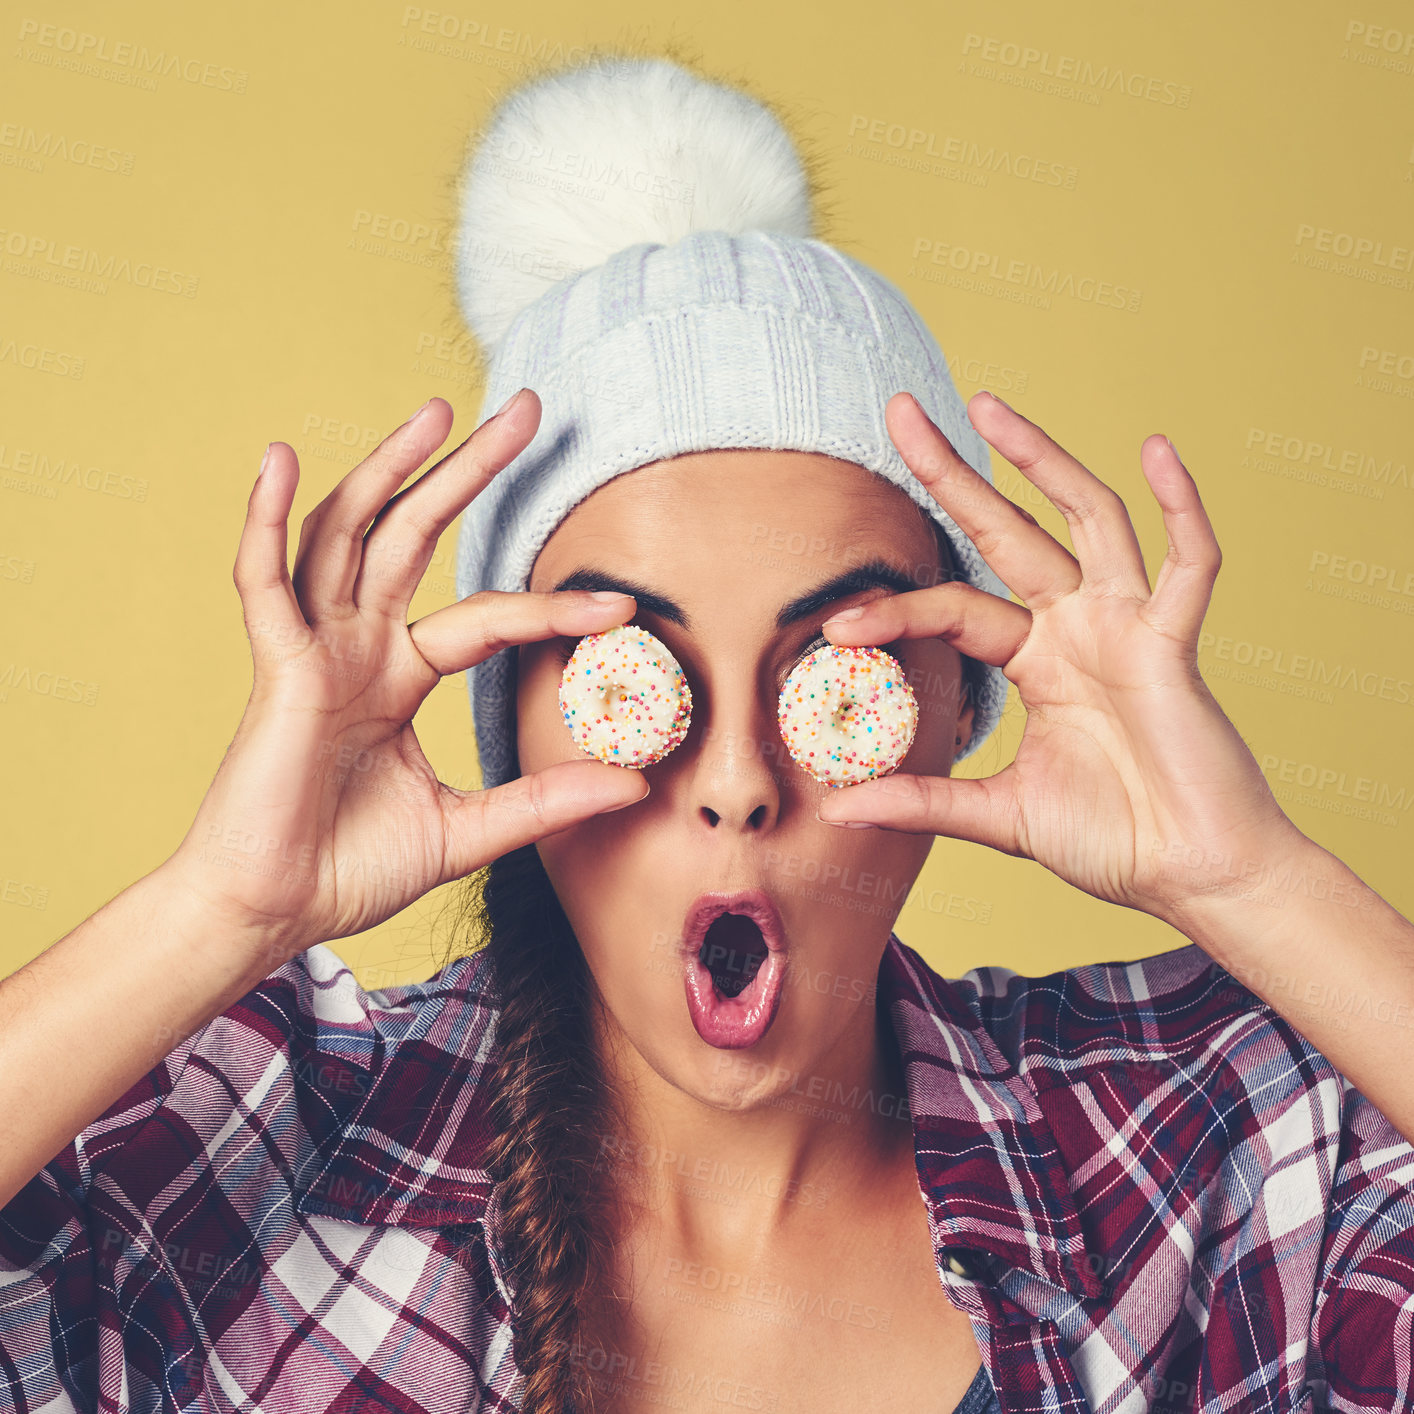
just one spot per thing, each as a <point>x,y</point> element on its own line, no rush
<point>549,1106</point>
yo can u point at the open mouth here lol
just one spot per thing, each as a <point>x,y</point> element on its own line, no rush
<point>732,951</point>
<point>734,961</point>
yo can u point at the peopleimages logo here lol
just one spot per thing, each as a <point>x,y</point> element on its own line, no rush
<point>22,145</point>
<point>1027,60</point>
<point>43,257</point>
<point>988,159</point>
<point>1012,277</point>
<point>1304,668</point>
<point>59,47</point>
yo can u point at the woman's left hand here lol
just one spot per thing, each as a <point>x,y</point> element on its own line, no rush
<point>1129,781</point>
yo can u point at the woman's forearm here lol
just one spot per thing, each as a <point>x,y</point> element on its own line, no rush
<point>86,1019</point>
<point>1304,932</point>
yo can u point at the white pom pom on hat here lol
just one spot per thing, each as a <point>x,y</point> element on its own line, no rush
<point>635,244</point>
<point>582,163</point>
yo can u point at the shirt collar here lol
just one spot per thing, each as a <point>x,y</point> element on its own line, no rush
<point>988,1161</point>
<point>988,1164</point>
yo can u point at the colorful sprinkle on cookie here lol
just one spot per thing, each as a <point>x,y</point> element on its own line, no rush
<point>847,714</point>
<point>624,697</point>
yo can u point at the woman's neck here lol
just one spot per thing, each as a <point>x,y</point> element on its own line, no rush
<point>761,1160</point>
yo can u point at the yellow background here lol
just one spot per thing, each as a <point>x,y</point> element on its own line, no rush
<point>1192,158</point>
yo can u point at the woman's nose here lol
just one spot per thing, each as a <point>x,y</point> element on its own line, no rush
<point>734,776</point>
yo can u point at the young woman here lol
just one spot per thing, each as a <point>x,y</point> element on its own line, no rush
<point>573,1170</point>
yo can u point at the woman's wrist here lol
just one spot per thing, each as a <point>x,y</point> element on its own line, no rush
<point>234,939</point>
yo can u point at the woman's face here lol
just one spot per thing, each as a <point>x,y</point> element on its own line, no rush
<point>725,540</point>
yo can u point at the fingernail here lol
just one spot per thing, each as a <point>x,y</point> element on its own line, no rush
<point>1172,448</point>
<point>607,596</point>
<point>420,411</point>
<point>996,399</point>
<point>264,462</point>
<point>845,616</point>
<point>609,809</point>
<point>846,824</point>
<point>505,405</point>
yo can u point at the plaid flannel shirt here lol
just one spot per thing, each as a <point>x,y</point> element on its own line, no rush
<point>1145,1188</point>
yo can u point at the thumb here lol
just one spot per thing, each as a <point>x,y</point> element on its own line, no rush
<point>962,809</point>
<point>489,823</point>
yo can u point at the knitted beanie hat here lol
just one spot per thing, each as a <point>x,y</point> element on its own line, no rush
<point>634,244</point>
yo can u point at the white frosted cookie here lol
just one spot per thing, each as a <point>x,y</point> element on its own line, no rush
<point>624,697</point>
<point>847,714</point>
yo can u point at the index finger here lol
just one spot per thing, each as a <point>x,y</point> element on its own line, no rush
<point>465,633</point>
<point>402,538</point>
<point>1110,558</point>
<point>1033,564</point>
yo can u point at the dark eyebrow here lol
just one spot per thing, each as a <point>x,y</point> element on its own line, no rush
<point>874,574</point>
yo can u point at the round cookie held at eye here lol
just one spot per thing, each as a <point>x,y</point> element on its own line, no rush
<point>624,697</point>
<point>847,714</point>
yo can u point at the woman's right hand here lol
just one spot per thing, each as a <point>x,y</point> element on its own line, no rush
<point>325,817</point>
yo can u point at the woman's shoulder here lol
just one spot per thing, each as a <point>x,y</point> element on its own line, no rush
<point>1175,1099</point>
<point>317,1000</point>
<point>305,1044</point>
<point>189,1193</point>
<point>318,992</point>
<point>1137,1027</point>
<point>314,1010</point>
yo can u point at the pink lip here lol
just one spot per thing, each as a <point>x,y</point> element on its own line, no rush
<point>730,1023</point>
<point>748,903</point>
